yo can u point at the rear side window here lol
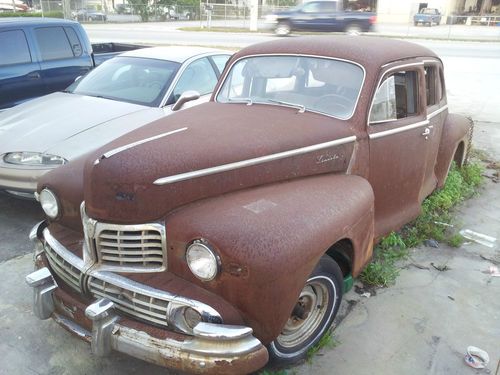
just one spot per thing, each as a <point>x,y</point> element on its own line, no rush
<point>53,43</point>
<point>396,98</point>
<point>431,89</point>
<point>14,48</point>
<point>76,46</point>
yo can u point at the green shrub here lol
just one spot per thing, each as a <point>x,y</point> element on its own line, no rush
<point>51,14</point>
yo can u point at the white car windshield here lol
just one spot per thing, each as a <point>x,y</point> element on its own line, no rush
<point>314,84</point>
<point>128,79</point>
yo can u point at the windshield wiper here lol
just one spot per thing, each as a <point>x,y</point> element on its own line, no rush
<point>300,107</point>
<point>247,101</point>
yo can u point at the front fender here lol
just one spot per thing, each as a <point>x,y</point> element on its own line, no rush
<point>270,238</point>
<point>456,131</point>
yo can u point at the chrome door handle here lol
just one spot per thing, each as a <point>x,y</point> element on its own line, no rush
<point>426,132</point>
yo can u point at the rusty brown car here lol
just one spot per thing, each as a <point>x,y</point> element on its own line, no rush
<point>218,238</point>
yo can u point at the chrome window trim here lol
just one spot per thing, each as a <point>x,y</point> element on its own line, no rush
<point>381,79</point>
<point>223,78</point>
<point>437,112</point>
<point>251,162</point>
<point>399,130</point>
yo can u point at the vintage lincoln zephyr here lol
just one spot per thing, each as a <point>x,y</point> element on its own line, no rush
<point>218,239</point>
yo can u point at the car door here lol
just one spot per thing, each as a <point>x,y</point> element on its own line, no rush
<point>436,108</point>
<point>62,56</point>
<point>398,146</point>
<point>20,77</point>
<point>316,15</point>
<point>200,75</point>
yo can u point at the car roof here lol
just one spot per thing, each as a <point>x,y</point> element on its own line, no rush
<point>18,21</point>
<point>173,53</point>
<point>368,51</point>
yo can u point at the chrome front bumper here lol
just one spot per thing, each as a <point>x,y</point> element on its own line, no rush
<point>213,348</point>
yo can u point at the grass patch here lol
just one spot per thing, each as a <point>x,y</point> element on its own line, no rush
<point>271,372</point>
<point>433,223</point>
<point>326,341</point>
<point>220,29</point>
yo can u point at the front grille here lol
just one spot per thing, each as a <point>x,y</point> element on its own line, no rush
<point>67,272</point>
<point>143,248</point>
<point>139,305</point>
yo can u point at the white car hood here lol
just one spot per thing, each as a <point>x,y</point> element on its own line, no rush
<point>68,125</point>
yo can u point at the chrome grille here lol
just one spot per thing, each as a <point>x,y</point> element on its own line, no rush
<point>138,305</point>
<point>131,246</point>
<point>67,272</point>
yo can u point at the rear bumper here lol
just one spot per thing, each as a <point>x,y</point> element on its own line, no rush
<point>213,349</point>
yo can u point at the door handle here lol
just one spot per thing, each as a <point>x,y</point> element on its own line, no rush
<point>34,75</point>
<point>426,133</point>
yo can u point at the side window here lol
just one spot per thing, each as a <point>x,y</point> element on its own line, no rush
<point>311,7</point>
<point>14,48</point>
<point>53,43</point>
<point>396,97</point>
<point>431,91</point>
<point>442,87</point>
<point>76,46</point>
<point>220,62</point>
<point>198,76</point>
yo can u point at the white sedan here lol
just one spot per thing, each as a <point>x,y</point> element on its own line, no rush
<point>122,94</point>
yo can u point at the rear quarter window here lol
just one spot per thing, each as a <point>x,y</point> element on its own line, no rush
<point>14,48</point>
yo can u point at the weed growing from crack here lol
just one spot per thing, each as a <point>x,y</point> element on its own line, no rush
<point>434,222</point>
<point>326,341</point>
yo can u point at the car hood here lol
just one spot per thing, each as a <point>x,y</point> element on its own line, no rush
<point>119,179</point>
<point>46,124</point>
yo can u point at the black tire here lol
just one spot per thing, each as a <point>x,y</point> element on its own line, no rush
<point>353,29</point>
<point>322,292</point>
<point>283,28</point>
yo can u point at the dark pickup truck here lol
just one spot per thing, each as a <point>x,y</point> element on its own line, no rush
<point>42,55</point>
<point>321,16</point>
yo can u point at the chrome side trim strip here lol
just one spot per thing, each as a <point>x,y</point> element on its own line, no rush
<point>437,112</point>
<point>133,144</point>
<point>399,130</point>
<point>251,162</point>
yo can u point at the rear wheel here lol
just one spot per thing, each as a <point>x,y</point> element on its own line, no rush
<point>313,314</point>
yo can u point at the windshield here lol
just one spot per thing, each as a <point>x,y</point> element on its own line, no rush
<point>128,79</point>
<point>308,83</point>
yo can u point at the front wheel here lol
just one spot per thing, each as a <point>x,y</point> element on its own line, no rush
<point>316,307</point>
<point>282,29</point>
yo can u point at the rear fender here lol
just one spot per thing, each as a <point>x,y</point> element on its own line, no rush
<point>455,137</point>
<point>270,238</point>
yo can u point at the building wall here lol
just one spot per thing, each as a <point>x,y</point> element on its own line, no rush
<point>402,11</point>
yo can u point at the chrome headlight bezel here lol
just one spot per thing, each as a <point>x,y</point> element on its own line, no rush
<point>33,159</point>
<point>202,260</point>
<point>50,203</point>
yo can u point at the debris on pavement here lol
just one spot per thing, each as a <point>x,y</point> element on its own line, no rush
<point>493,271</point>
<point>441,268</point>
<point>366,294</point>
<point>480,238</point>
<point>476,358</point>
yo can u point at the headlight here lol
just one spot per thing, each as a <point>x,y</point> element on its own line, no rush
<point>49,203</point>
<point>202,261</point>
<point>33,158</point>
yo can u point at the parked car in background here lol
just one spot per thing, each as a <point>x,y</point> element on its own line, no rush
<point>221,236</point>
<point>123,9</point>
<point>321,16</point>
<point>89,15</point>
<point>427,17</point>
<point>42,55</point>
<point>120,95</point>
